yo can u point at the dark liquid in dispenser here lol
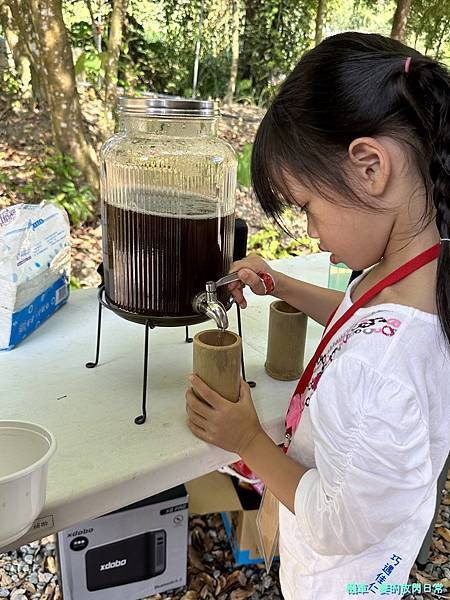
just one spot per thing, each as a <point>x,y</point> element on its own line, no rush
<point>156,264</point>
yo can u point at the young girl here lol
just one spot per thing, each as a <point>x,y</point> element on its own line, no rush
<point>359,138</point>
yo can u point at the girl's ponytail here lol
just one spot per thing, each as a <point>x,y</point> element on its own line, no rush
<point>429,87</point>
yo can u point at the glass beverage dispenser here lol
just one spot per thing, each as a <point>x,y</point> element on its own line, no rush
<point>168,199</point>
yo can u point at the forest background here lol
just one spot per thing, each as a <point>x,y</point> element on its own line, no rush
<point>63,62</point>
<point>62,65</point>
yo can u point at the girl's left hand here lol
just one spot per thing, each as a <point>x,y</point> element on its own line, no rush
<point>229,425</point>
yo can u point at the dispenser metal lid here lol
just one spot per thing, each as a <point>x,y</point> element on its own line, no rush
<point>167,107</point>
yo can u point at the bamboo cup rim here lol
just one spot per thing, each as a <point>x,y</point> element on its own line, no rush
<point>282,307</point>
<point>207,338</point>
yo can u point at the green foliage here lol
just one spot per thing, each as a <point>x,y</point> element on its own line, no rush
<point>243,169</point>
<point>362,15</point>
<point>270,244</point>
<point>160,56</point>
<point>10,84</point>
<point>274,37</point>
<point>91,63</point>
<point>160,36</point>
<point>57,180</point>
<point>143,63</point>
<point>428,28</point>
<point>81,35</point>
<point>74,283</point>
<point>176,50</point>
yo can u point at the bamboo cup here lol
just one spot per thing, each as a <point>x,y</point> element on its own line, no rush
<point>217,360</point>
<point>286,341</point>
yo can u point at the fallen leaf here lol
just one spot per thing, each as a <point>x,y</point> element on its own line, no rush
<point>235,578</point>
<point>443,532</point>
<point>422,579</point>
<point>440,559</point>
<point>29,587</point>
<point>194,559</point>
<point>49,592</point>
<point>241,593</point>
<point>189,596</point>
<point>221,583</point>
<point>50,564</point>
<point>197,522</point>
<point>439,544</point>
<point>208,543</point>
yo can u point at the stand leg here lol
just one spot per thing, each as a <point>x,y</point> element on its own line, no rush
<point>188,339</point>
<point>252,384</point>
<point>91,365</point>
<point>140,420</point>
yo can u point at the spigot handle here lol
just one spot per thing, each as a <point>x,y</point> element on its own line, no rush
<point>230,278</point>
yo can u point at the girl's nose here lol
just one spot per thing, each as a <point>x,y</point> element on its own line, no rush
<point>311,230</point>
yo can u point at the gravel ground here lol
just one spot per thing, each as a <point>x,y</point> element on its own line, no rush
<point>31,571</point>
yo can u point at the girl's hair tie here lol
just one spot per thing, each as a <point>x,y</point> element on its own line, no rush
<point>408,64</point>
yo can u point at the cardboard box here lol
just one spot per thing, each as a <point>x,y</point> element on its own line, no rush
<point>131,553</point>
<point>238,506</point>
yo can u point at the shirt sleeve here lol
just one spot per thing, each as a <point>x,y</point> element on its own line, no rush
<point>373,466</point>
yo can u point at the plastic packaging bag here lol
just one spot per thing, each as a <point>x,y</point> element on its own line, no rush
<point>34,268</point>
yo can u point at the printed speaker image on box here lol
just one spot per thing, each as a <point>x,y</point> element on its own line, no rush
<point>135,559</point>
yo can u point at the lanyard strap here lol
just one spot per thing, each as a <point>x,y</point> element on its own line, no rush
<point>409,267</point>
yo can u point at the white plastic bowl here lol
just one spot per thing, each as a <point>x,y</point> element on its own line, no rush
<point>25,449</point>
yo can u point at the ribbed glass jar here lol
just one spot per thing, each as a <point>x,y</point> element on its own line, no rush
<point>168,199</point>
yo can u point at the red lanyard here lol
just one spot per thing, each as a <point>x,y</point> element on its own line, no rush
<point>412,265</point>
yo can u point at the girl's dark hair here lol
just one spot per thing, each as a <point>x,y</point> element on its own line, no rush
<point>353,85</point>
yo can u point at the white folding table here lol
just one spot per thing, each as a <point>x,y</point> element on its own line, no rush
<point>104,461</point>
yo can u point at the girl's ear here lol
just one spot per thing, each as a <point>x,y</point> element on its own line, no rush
<point>371,164</point>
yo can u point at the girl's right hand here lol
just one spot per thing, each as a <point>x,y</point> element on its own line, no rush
<point>247,269</point>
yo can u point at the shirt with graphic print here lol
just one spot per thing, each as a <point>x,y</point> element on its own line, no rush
<point>375,435</point>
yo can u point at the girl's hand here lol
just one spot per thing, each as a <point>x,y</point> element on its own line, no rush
<point>228,425</point>
<point>247,269</point>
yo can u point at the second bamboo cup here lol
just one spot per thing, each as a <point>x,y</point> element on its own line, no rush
<point>217,360</point>
<point>286,341</point>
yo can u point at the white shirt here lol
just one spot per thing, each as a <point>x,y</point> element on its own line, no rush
<point>375,434</point>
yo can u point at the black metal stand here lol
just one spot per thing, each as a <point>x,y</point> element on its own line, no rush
<point>252,384</point>
<point>149,324</point>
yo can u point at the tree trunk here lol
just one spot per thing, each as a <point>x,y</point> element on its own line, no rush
<point>16,46</point>
<point>112,62</point>
<point>320,18</point>
<point>97,32</point>
<point>49,48</point>
<point>97,28</point>
<point>400,19</point>
<point>38,85</point>
<point>23,24</point>
<point>197,49</point>
<point>444,30</point>
<point>234,51</point>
